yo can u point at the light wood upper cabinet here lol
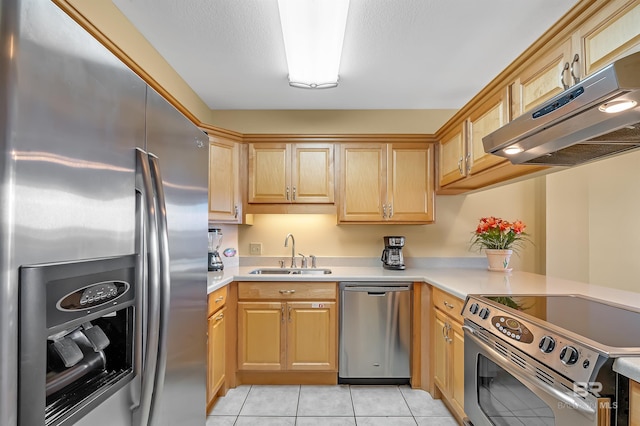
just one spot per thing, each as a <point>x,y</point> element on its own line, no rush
<point>291,173</point>
<point>461,154</point>
<point>490,116</point>
<point>543,79</point>
<point>386,183</point>
<point>451,156</point>
<point>611,33</point>
<point>225,203</point>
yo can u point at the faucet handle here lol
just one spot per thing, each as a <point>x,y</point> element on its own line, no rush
<point>313,261</point>
<point>304,260</point>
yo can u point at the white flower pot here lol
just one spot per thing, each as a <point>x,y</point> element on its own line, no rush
<point>499,259</point>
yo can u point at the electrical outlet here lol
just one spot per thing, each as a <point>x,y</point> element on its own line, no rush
<point>255,249</point>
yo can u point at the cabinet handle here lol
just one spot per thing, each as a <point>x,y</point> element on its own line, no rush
<point>294,193</point>
<point>219,299</point>
<point>220,317</point>
<point>562,73</point>
<point>460,166</point>
<point>445,332</point>
<point>576,60</point>
<point>287,291</point>
<point>289,313</point>
<point>448,305</point>
<point>390,210</point>
<point>468,161</point>
<point>287,192</point>
<point>235,209</point>
<point>282,312</point>
<point>449,339</point>
<point>384,211</point>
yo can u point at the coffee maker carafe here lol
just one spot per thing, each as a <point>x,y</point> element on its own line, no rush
<point>392,254</point>
<point>215,240</point>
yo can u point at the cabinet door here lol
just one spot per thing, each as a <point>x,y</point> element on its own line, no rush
<point>223,181</point>
<point>410,183</point>
<point>543,79</point>
<point>260,336</point>
<point>489,116</point>
<point>457,366</point>
<point>440,350</point>
<point>311,336</point>
<point>451,157</point>
<point>634,403</point>
<point>611,33</point>
<point>312,173</point>
<point>363,171</point>
<point>216,351</point>
<point>269,173</point>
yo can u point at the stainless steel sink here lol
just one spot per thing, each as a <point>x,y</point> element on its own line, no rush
<point>289,271</point>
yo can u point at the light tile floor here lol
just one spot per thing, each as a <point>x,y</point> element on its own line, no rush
<point>329,406</point>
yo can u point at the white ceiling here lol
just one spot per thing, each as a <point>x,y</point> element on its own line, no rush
<point>398,54</point>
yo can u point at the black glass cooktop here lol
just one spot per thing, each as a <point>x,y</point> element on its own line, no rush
<point>609,324</point>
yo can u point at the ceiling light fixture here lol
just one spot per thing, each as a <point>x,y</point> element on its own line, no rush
<point>313,32</point>
<point>617,106</point>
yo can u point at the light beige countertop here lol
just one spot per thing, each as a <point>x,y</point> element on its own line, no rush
<point>457,281</point>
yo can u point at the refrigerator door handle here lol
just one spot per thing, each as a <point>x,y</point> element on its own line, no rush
<point>164,285</point>
<point>150,360</point>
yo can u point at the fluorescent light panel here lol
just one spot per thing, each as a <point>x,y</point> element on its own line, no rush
<point>313,32</point>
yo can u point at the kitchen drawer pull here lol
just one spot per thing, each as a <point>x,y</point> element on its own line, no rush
<point>219,299</point>
<point>448,305</point>
<point>287,291</point>
<point>220,317</point>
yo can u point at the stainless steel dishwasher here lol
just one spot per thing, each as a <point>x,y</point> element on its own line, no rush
<point>375,332</point>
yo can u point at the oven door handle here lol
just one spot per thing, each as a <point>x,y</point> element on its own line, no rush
<point>499,359</point>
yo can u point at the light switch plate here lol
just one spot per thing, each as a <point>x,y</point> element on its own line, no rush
<point>255,249</point>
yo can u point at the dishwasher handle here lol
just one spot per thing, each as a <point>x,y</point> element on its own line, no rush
<point>376,290</point>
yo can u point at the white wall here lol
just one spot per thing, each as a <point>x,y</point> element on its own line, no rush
<point>592,217</point>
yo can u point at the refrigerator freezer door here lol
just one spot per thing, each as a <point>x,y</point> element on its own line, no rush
<point>182,155</point>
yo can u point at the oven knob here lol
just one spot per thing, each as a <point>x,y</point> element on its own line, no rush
<point>484,313</point>
<point>547,344</point>
<point>569,355</point>
<point>474,308</point>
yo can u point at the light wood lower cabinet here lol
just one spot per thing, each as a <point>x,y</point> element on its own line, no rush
<point>448,351</point>
<point>216,345</point>
<point>634,403</point>
<point>280,329</point>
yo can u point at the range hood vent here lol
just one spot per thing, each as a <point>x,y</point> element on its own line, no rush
<point>572,127</point>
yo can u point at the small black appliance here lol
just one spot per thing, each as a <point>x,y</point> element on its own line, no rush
<point>392,254</point>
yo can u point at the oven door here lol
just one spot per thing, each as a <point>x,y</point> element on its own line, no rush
<point>502,388</point>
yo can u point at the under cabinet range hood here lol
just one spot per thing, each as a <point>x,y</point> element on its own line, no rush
<point>595,118</point>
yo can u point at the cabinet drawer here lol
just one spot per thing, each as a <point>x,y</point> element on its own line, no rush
<point>286,290</point>
<point>216,300</point>
<point>447,303</point>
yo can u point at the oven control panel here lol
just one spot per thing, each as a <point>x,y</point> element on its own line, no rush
<point>560,352</point>
<point>512,328</point>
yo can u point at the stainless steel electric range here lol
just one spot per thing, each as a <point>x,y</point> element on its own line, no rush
<point>546,359</point>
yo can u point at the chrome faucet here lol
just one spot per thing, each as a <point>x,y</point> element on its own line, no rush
<point>293,248</point>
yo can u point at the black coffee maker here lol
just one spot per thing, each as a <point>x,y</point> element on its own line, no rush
<point>392,254</point>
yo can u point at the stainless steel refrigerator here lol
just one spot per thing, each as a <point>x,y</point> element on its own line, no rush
<point>103,235</point>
